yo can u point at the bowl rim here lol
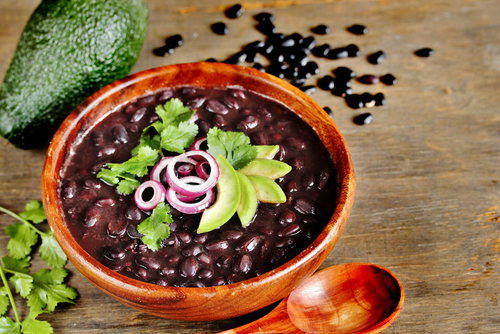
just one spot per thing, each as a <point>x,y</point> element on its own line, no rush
<point>73,124</point>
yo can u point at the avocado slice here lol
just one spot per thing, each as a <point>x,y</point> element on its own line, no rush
<point>227,201</point>
<point>267,151</point>
<point>272,169</point>
<point>68,50</point>
<point>248,203</point>
<point>267,190</point>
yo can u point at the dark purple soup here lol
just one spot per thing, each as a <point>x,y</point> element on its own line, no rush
<point>105,223</point>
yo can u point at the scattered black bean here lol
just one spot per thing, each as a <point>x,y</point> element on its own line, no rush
<point>344,73</point>
<point>211,60</point>
<point>312,68</point>
<point>220,28</point>
<point>369,79</point>
<point>163,51</point>
<point>388,79</point>
<point>358,29</point>
<point>259,67</point>
<point>329,111</point>
<point>337,53</point>
<point>363,119</point>
<point>376,58</point>
<point>321,50</point>
<point>308,43</point>
<point>354,101</point>
<point>379,99</point>
<point>353,50</point>
<point>266,27</point>
<point>298,82</point>
<point>264,17</point>
<point>342,91</point>
<point>326,82</point>
<point>308,89</point>
<point>321,29</point>
<point>424,52</point>
<point>174,41</point>
<point>368,100</point>
<point>235,11</point>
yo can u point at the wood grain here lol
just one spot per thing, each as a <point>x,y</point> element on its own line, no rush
<point>427,200</point>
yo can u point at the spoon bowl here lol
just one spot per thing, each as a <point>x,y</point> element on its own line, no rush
<point>347,298</point>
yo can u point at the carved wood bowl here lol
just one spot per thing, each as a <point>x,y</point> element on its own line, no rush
<point>208,303</point>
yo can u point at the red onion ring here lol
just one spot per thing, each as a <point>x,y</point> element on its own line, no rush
<point>176,200</point>
<point>200,170</point>
<point>159,194</point>
<point>189,189</point>
<point>158,168</point>
<point>196,145</point>
<point>185,169</point>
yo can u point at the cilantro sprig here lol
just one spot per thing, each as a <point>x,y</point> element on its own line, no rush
<point>171,133</point>
<point>234,146</point>
<point>43,290</point>
<point>155,228</point>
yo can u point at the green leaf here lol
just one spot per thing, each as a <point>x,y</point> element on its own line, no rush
<point>234,146</point>
<point>51,252</point>
<point>34,212</point>
<point>18,265</point>
<point>48,290</point>
<point>176,139</point>
<point>31,325</point>
<point>154,228</point>
<point>22,239</point>
<point>137,165</point>
<point>109,176</point>
<point>4,300</point>
<point>7,326</point>
<point>126,187</point>
<point>173,112</point>
<point>23,283</point>
<point>146,140</point>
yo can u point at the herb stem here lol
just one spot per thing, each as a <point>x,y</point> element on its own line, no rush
<point>12,214</point>
<point>11,297</point>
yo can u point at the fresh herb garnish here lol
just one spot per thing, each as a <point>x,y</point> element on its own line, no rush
<point>234,146</point>
<point>171,133</point>
<point>155,228</point>
<point>43,290</point>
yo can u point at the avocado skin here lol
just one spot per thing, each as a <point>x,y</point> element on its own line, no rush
<point>68,50</point>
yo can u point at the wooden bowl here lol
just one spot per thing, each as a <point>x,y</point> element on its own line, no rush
<point>209,303</point>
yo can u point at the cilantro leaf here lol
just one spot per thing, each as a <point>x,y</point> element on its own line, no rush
<point>22,239</point>
<point>127,186</point>
<point>34,212</point>
<point>146,140</point>
<point>51,252</point>
<point>7,326</point>
<point>18,265</point>
<point>23,283</point>
<point>176,139</point>
<point>4,301</point>
<point>48,290</point>
<point>31,325</point>
<point>173,112</point>
<point>234,146</point>
<point>153,227</point>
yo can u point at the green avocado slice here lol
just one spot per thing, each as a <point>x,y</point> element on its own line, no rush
<point>272,169</point>
<point>267,151</point>
<point>228,198</point>
<point>267,190</point>
<point>248,203</point>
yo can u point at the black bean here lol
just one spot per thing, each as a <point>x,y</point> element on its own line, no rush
<point>297,38</point>
<point>105,202</point>
<point>220,28</point>
<point>248,244</point>
<point>238,93</point>
<point>296,143</point>
<point>248,123</point>
<point>260,138</point>
<point>146,101</point>
<point>312,67</point>
<point>367,100</point>
<point>235,11</point>
<point>69,189</point>
<point>254,46</point>
<point>321,50</point>
<point>321,29</point>
<point>388,79</point>
<point>196,102</point>
<point>287,217</point>
<point>344,73</point>
<point>242,264</point>
<point>363,119</point>
<point>107,151</point>
<point>285,242</point>
<point>163,51</point>
<point>308,43</point>
<point>298,82</point>
<point>131,246</point>
<point>296,163</point>
<point>199,238</point>
<point>133,213</point>
<point>120,134</point>
<point>358,29</point>
<point>264,113</point>
<point>287,42</point>
<point>326,82</point>
<point>223,261</point>
<point>205,259</point>
<point>304,206</point>
<point>234,278</point>
<point>369,79</point>
<point>138,115</point>
<point>329,111</point>
<point>98,138</point>
<point>132,232</point>
<point>114,254</point>
<point>189,267</point>
<point>267,49</point>
<point>308,180</point>
<point>174,41</point>
<point>264,17</point>
<point>117,228</point>
<point>174,259</point>
<point>191,250</point>
<point>291,72</point>
<point>278,255</point>
<point>216,245</point>
<point>211,60</point>
<point>379,99</point>
<point>92,216</point>
<point>166,95</point>
<point>354,101</point>
<point>259,67</point>
<point>266,27</point>
<point>297,57</point>
<point>353,50</point>
<point>219,121</point>
<point>251,56</point>
<point>308,89</point>
<point>148,262</point>
<point>218,281</point>
<point>216,107</point>
<point>342,91</point>
<point>205,273</point>
<point>424,52</point>
<point>323,179</point>
<point>184,236</point>
<point>337,53</point>
<point>377,57</point>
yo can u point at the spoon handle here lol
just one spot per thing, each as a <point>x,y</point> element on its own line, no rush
<point>275,322</point>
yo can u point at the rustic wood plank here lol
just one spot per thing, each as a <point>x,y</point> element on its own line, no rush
<point>428,196</point>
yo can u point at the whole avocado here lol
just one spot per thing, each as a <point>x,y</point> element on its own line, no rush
<point>68,50</point>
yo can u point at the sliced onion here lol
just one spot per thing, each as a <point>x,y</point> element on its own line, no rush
<point>190,180</point>
<point>192,189</point>
<point>200,170</point>
<point>185,169</point>
<point>196,145</point>
<point>159,167</point>
<point>178,201</point>
<point>159,194</point>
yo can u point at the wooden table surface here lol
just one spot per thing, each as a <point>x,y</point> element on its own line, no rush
<point>427,201</point>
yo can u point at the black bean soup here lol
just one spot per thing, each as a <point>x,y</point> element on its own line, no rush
<point>105,223</point>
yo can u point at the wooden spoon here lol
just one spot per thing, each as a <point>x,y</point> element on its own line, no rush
<point>347,298</point>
